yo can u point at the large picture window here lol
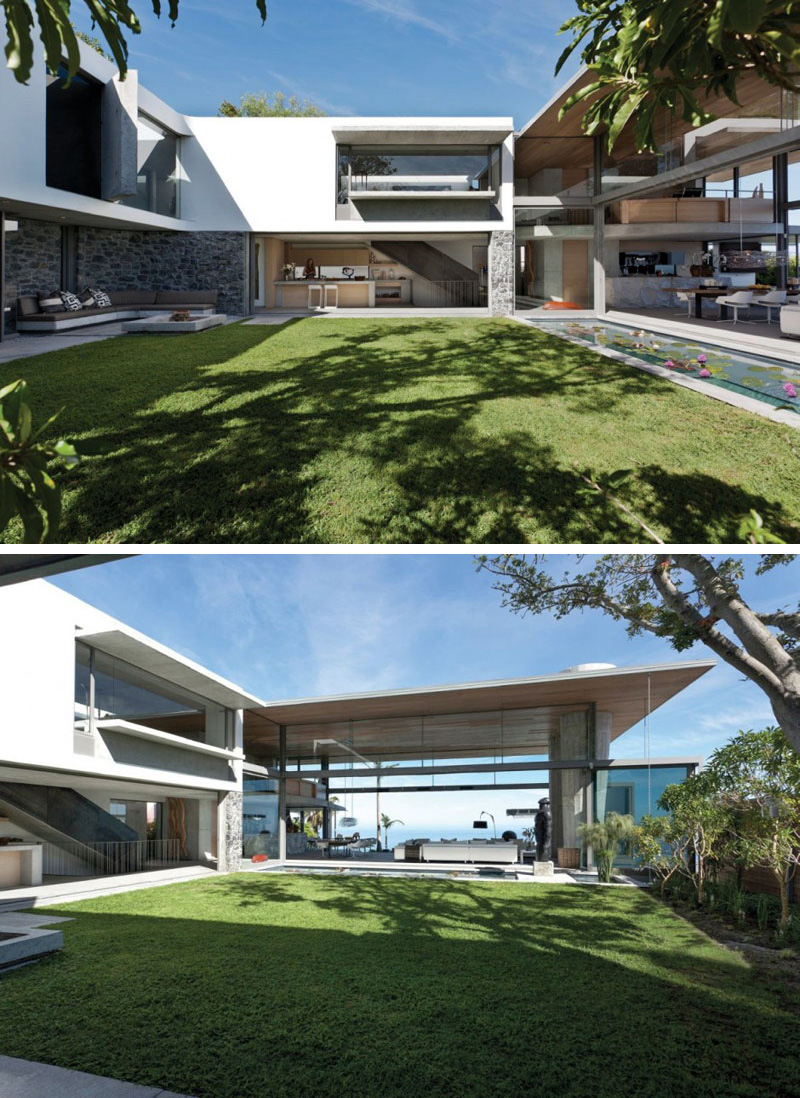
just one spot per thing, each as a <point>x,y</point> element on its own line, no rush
<point>439,168</point>
<point>72,133</point>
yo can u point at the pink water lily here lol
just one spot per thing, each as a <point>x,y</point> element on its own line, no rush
<point>790,390</point>
<point>701,359</point>
<point>704,373</point>
<point>670,364</point>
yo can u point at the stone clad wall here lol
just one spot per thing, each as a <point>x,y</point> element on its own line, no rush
<point>33,258</point>
<point>230,841</point>
<point>119,259</point>
<point>501,273</point>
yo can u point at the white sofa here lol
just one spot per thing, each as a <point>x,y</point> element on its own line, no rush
<point>469,851</point>
<point>790,320</point>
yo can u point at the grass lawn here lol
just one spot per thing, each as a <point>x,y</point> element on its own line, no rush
<point>264,987</point>
<point>430,431</point>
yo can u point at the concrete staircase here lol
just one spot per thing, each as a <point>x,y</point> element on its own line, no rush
<point>59,815</point>
<point>435,266</point>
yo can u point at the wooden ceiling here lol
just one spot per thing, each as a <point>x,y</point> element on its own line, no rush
<point>757,99</point>
<point>462,721</point>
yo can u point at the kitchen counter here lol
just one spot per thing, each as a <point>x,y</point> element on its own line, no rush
<point>20,865</point>
<point>648,291</point>
<point>352,294</point>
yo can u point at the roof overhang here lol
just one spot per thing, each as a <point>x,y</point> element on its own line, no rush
<point>18,567</point>
<point>459,720</point>
<point>448,131</point>
<point>148,655</point>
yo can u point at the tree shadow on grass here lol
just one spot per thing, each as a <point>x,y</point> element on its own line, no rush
<point>245,987</point>
<point>371,431</point>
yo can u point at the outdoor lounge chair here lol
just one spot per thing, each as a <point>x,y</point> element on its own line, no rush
<point>773,300</point>
<point>742,299</point>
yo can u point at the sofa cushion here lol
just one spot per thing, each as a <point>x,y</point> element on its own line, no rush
<point>27,305</point>
<point>51,303</point>
<point>72,303</point>
<point>86,298</point>
<point>187,297</point>
<point>132,297</point>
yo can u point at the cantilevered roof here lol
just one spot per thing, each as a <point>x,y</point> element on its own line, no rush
<point>464,719</point>
<point>423,131</point>
<point>149,655</point>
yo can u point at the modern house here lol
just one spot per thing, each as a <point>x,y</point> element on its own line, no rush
<point>119,754</point>
<point>110,187</point>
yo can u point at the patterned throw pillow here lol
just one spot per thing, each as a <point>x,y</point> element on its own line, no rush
<point>101,298</point>
<point>72,303</point>
<point>86,299</point>
<point>51,303</point>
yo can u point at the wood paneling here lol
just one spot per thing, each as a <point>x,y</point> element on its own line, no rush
<point>575,272</point>
<point>327,256</point>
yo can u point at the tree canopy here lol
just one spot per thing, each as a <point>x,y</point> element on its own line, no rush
<point>113,20</point>
<point>683,597</point>
<point>646,56</point>
<point>263,105</point>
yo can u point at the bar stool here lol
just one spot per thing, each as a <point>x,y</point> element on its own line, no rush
<point>330,288</point>
<point>312,286</point>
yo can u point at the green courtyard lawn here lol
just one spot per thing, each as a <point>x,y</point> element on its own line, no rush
<point>296,986</point>
<point>393,430</point>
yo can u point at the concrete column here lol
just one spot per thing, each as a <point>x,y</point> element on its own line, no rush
<point>120,111</point>
<point>282,794</point>
<point>501,273</point>
<point>573,745</point>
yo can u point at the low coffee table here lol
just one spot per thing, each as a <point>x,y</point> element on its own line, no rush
<point>161,324</point>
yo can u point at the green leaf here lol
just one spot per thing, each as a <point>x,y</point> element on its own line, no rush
<point>746,16</point>
<point>19,44</point>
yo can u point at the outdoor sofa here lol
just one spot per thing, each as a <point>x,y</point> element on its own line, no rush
<point>125,305</point>
<point>790,320</point>
<point>470,850</point>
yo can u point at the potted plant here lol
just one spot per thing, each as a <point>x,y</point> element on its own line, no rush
<point>605,838</point>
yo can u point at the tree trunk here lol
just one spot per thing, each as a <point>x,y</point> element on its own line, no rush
<point>784,886</point>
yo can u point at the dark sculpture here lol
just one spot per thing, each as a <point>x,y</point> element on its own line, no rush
<point>543,830</point>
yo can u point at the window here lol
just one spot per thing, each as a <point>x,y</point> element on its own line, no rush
<point>440,168</point>
<point>157,169</point>
<point>72,133</point>
<point>106,687</point>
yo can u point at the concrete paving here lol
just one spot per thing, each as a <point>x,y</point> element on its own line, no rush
<point>28,1079</point>
<point>67,889</point>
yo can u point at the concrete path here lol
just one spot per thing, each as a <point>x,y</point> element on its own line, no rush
<point>27,344</point>
<point>28,1079</point>
<point>76,888</point>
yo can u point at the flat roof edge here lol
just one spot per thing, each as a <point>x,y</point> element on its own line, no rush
<point>441,688</point>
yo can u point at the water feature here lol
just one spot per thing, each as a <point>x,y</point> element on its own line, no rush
<point>765,379</point>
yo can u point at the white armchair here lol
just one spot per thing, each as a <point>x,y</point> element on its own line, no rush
<point>742,299</point>
<point>772,300</point>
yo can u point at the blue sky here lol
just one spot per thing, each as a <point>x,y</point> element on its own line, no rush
<point>287,626</point>
<point>392,57</point>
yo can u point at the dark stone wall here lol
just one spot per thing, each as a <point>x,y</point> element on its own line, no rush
<point>121,259</point>
<point>33,259</point>
<point>116,259</point>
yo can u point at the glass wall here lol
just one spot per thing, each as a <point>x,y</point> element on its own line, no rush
<point>440,168</point>
<point>107,687</point>
<point>260,817</point>
<point>157,170</point>
<point>554,254</point>
<point>634,791</point>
